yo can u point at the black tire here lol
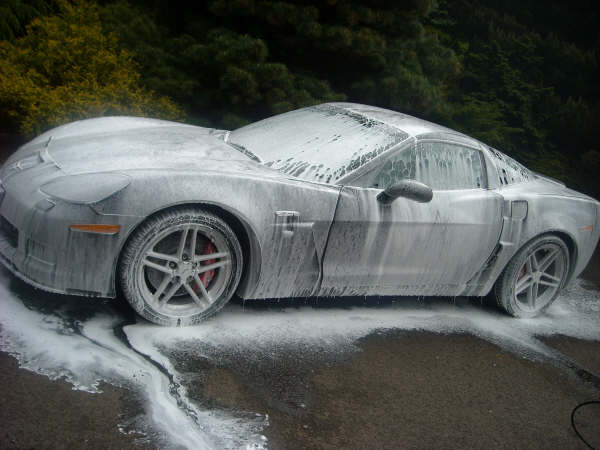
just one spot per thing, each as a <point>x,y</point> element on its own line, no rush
<point>534,277</point>
<point>169,284</point>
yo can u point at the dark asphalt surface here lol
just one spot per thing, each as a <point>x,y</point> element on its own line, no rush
<point>403,390</point>
<point>417,390</point>
<point>414,390</point>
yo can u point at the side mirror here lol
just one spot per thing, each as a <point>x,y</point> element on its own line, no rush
<point>410,189</point>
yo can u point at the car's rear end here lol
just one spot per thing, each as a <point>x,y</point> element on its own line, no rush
<point>556,209</point>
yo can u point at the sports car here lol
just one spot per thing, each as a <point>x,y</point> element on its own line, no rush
<point>338,199</point>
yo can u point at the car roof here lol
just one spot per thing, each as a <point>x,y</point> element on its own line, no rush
<point>413,126</point>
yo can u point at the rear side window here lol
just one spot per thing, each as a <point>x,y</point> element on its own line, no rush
<point>440,165</point>
<point>509,170</point>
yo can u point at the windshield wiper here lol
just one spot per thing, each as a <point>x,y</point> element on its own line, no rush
<point>245,151</point>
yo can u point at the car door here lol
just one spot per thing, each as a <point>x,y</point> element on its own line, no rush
<point>408,247</point>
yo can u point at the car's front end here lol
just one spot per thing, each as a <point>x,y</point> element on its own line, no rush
<point>53,231</point>
<point>52,241</point>
<point>73,196</point>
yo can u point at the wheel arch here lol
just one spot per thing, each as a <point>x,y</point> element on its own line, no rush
<point>251,251</point>
<point>563,235</point>
<point>571,245</point>
<point>503,287</point>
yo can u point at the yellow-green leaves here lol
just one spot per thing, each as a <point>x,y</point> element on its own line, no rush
<point>65,68</point>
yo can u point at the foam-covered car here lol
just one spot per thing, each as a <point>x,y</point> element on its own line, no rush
<point>338,199</point>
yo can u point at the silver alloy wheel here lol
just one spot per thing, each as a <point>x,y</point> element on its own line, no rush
<point>540,277</point>
<point>180,266</point>
<point>174,266</point>
<point>533,278</point>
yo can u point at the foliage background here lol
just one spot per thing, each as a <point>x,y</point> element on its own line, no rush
<point>520,75</point>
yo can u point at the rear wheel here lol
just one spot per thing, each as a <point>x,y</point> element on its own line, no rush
<point>534,277</point>
<point>181,267</point>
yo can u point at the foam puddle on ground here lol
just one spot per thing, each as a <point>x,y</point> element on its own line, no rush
<point>77,339</point>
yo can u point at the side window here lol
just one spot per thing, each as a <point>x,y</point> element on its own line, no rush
<point>440,165</point>
<point>400,166</point>
<point>509,170</point>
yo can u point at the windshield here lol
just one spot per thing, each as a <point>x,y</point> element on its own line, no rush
<point>320,143</point>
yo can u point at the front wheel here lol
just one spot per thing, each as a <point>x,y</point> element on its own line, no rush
<point>533,278</point>
<point>181,267</point>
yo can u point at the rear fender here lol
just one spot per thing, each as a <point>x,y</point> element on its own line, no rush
<point>572,219</point>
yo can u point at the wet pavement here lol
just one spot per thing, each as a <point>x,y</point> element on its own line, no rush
<point>347,373</point>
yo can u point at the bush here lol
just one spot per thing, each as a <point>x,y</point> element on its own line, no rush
<point>66,68</point>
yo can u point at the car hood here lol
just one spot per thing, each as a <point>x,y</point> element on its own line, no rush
<point>130,143</point>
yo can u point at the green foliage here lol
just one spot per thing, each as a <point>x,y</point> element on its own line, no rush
<point>15,14</point>
<point>256,58</point>
<point>528,88</point>
<point>520,77</point>
<point>218,73</point>
<point>64,68</point>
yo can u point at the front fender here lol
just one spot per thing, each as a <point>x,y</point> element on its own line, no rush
<point>290,251</point>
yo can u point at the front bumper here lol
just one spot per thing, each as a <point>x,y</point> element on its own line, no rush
<point>65,267</point>
<point>7,253</point>
<point>38,246</point>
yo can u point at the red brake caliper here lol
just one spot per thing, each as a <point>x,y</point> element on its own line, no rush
<point>522,272</point>
<point>207,276</point>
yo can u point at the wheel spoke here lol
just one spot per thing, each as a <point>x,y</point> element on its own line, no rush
<point>532,294</point>
<point>548,259</point>
<point>551,277</point>
<point>156,266</point>
<point>163,285</point>
<point>533,263</point>
<point>182,241</point>
<point>211,256</point>
<point>528,268</point>
<point>198,300</point>
<point>549,283</point>
<point>213,266</point>
<point>162,256</point>
<point>193,243</point>
<point>203,290</point>
<point>523,284</point>
<point>171,292</point>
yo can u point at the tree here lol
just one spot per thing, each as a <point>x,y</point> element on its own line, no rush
<point>65,68</point>
<point>223,76</point>
<point>15,14</point>
<point>528,84</point>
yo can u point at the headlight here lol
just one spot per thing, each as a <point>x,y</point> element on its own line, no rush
<point>86,188</point>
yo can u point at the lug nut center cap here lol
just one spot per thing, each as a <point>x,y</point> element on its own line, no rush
<point>186,270</point>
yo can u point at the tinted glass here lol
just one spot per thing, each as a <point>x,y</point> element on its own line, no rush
<point>509,170</point>
<point>440,165</point>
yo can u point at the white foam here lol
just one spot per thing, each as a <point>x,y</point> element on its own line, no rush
<point>575,314</point>
<point>89,352</point>
<point>86,351</point>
